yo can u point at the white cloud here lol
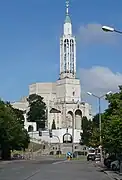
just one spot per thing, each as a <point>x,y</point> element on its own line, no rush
<point>93,33</point>
<point>100,80</point>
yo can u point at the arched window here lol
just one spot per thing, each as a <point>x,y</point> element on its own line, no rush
<point>30,128</point>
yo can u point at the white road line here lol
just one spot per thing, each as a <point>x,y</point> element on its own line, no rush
<point>59,162</point>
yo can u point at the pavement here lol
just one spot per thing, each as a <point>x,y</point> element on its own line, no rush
<point>111,174</point>
<point>51,169</point>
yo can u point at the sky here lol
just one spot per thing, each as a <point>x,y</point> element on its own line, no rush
<point>29,45</point>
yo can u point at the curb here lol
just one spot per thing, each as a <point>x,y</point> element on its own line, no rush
<point>111,176</point>
<point>117,178</point>
<point>11,161</point>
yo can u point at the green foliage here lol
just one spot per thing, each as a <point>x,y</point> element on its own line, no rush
<point>112,125</point>
<point>12,133</point>
<point>112,136</point>
<point>53,124</point>
<point>96,121</point>
<point>94,140</point>
<point>37,112</point>
<point>86,127</point>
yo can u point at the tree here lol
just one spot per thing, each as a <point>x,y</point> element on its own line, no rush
<point>94,140</point>
<point>17,112</point>
<point>19,115</point>
<point>37,110</point>
<point>112,125</point>
<point>53,124</point>
<point>12,134</point>
<point>86,127</point>
<point>96,120</point>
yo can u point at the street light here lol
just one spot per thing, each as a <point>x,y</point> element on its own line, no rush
<point>100,125</point>
<point>110,29</point>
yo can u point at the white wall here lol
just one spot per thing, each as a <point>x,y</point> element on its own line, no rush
<point>59,133</point>
<point>66,87</point>
<point>46,90</point>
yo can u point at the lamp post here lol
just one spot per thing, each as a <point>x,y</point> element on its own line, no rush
<point>32,142</point>
<point>110,29</point>
<point>100,124</point>
<point>73,128</point>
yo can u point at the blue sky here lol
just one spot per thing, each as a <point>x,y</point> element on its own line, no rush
<point>29,44</point>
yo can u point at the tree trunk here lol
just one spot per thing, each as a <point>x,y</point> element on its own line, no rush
<point>6,154</point>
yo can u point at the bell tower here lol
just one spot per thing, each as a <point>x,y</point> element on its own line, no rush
<point>67,49</point>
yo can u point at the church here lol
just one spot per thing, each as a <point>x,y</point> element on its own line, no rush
<point>63,97</point>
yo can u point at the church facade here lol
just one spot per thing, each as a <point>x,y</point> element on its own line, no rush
<point>63,97</point>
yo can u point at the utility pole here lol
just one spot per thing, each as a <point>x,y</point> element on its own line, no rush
<point>73,123</point>
<point>100,124</point>
<point>32,142</point>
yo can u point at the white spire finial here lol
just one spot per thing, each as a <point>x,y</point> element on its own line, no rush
<point>67,7</point>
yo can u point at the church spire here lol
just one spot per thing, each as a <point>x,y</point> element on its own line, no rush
<point>67,7</point>
<point>67,48</point>
<point>67,19</point>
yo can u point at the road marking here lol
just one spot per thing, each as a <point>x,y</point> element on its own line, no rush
<point>33,174</point>
<point>59,162</point>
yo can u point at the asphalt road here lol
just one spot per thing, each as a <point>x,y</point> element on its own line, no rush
<point>50,170</point>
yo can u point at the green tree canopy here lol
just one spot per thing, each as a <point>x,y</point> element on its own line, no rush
<point>112,125</point>
<point>94,140</point>
<point>53,124</point>
<point>12,134</point>
<point>94,131</point>
<point>37,110</point>
<point>86,127</point>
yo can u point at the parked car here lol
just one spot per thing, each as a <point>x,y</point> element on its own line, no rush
<point>17,156</point>
<point>109,160</point>
<point>115,165</point>
<point>91,157</point>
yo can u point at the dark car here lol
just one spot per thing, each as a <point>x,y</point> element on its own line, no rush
<point>17,156</point>
<point>109,160</point>
<point>91,157</point>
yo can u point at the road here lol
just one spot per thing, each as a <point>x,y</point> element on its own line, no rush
<point>50,170</point>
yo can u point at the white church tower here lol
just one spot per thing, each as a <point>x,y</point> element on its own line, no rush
<point>67,49</point>
<point>63,97</point>
<point>68,90</point>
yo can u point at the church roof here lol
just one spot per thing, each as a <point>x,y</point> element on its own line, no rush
<point>67,19</point>
<point>53,110</point>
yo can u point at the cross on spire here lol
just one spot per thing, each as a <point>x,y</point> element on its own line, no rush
<point>67,7</point>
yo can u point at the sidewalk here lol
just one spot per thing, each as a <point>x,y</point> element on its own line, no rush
<point>11,161</point>
<point>111,174</point>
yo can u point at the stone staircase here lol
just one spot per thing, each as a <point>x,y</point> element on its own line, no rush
<point>66,148</point>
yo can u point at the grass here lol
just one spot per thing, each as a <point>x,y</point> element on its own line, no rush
<point>61,156</point>
<point>35,146</point>
<point>80,158</point>
<point>77,158</point>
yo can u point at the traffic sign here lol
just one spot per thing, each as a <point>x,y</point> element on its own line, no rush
<point>69,153</point>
